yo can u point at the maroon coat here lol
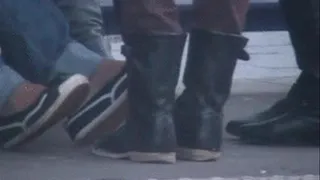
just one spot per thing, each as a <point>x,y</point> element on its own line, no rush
<point>162,16</point>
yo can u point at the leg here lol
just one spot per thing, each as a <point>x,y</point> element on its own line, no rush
<point>301,106</point>
<point>27,110</point>
<point>45,49</point>
<point>303,26</point>
<point>106,77</point>
<point>215,45</point>
<point>9,81</point>
<point>106,105</point>
<point>25,28</point>
<point>86,24</point>
<point>153,46</point>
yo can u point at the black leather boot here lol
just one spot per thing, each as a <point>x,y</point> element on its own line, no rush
<point>208,77</point>
<point>153,63</point>
<point>294,99</point>
<point>298,124</point>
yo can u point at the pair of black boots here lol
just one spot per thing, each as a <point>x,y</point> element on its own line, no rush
<point>161,128</point>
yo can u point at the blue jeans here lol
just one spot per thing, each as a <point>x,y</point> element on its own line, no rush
<point>33,34</point>
<point>35,43</point>
<point>9,80</point>
<point>86,24</point>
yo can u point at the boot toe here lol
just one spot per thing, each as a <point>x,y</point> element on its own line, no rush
<point>234,127</point>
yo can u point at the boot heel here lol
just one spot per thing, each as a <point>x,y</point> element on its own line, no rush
<point>197,154</point>
<point>166,158</point>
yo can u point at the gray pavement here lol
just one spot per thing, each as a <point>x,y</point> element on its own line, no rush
<point>53,157</point>
<point>258,83</point>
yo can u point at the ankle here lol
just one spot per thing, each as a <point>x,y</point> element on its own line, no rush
<point>23,97</point>
<point>106,71</point>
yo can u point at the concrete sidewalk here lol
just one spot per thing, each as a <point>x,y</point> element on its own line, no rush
<point>53,157</point>
<point>258,84</point>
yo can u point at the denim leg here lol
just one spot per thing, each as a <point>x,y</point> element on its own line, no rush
<point>86,24</point>
<point>78,59</point>
<point>9,80</point>
<point>33,35</point>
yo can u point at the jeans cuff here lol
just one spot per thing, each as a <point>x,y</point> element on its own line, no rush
<point>10,80</point>
<point>77,59</point>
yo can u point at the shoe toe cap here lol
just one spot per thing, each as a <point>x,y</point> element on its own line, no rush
<point>233,127</point>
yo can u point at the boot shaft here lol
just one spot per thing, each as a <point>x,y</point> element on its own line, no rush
<point>211,62</point>
<point>208,77</point>
<point>153,67</point>
<point>153,63</point>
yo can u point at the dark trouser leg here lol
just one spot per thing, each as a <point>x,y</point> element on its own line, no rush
<point>153,47</point>
<point>215,45</point>
<point>298,113</point>
<point>303,25</point>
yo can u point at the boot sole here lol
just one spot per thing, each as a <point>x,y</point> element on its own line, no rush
<point>103,153</point>
<point>107,122</point>
<point>197,154</point>
<point>166,158</point>
<point>73,92</point>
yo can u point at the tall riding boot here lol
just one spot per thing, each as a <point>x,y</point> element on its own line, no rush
<point>153,63</point>
<point>208,77</point>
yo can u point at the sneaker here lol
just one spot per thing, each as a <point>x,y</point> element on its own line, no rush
<point>53,104</point>
<point>101,113</point>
